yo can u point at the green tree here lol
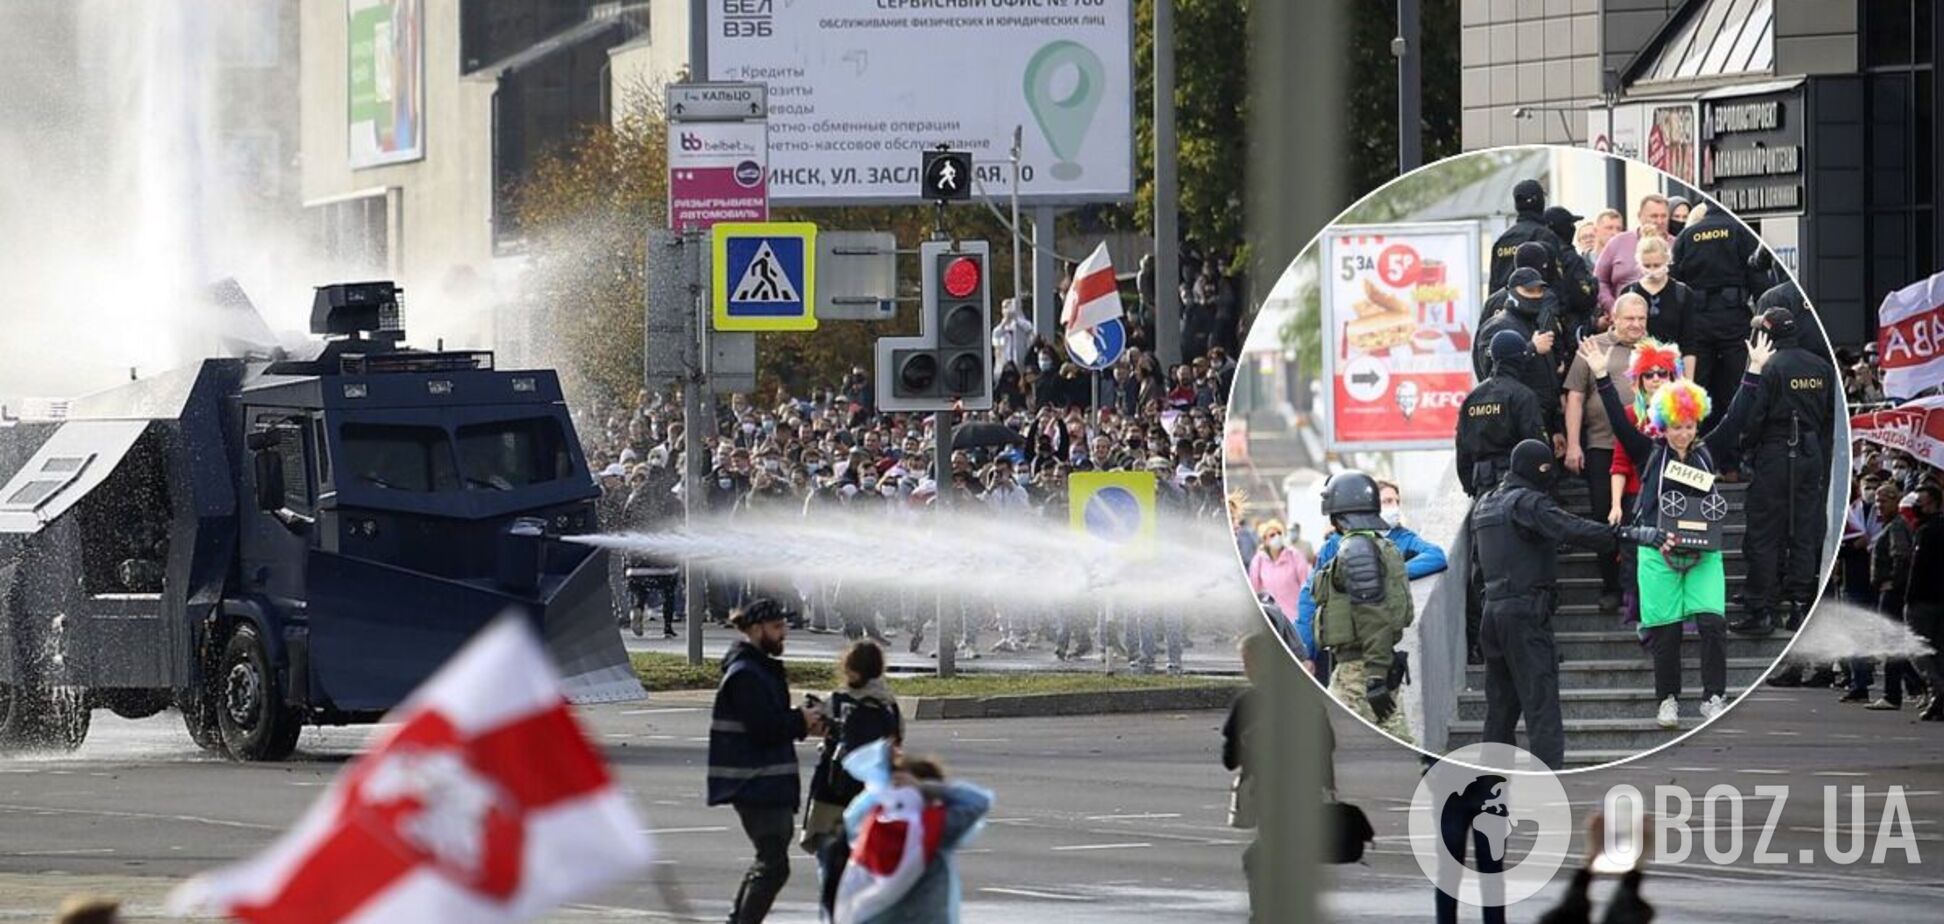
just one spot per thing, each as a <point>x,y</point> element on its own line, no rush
<point>1371,106</point>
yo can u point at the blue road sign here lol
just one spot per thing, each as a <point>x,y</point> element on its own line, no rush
<point>765,276</point>
<point>1098,347</point>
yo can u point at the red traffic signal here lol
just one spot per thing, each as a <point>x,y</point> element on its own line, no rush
<point>962,277</point>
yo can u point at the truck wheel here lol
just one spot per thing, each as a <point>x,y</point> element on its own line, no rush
<point>199,717</point>
<point>250,711</point>
<point>64,719</point>
<point>14,730</point>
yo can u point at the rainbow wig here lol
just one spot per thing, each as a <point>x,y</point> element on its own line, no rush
<point>1653,354</point>
<point>1679,403</point>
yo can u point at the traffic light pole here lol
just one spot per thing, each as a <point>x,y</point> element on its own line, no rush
<point>948,610</point>
<point>696,413</point>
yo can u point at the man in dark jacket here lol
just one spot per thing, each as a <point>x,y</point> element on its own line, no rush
<point>1496,415</point>
<point>1531,310</point>
<point>1529,199</point>
<point>752,753</point>
<point>1924,597</point>
<point>1518,530</point>
<point>1578,290</point>
<point>1787,446</point>
<point>1711,257</point>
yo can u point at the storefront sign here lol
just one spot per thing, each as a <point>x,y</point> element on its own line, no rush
<point>1753,156</point>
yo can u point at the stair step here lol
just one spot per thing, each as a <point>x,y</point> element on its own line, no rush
<point>1635,673</point>
<point>1622,643</point>
<point>1635,734</point>
<point>1592,703</point>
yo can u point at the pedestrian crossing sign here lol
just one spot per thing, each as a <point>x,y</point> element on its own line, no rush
<point>765,276</point>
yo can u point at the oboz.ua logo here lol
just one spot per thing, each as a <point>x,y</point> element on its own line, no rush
<point>1514,825</point>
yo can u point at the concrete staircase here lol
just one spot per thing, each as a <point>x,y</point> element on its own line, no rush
<point>1606,679</point>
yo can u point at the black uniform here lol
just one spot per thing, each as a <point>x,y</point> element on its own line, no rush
<point>1712,258</point>
<point>1540,373</point>
<point>1809,328</point>
<point>1518,529</point>
<point>1497,414</point>
<point>1531,226</point>
<point>1787,445</point>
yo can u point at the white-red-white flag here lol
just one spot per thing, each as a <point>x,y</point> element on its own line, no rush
<point>1910,337</point>
<point>486,803</point>
<point>1094,297</point>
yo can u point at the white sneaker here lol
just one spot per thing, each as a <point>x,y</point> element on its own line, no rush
<point>1712,706</point>
<point>1670,713</point>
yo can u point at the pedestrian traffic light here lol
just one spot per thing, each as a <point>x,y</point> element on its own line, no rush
<point>950,361</point>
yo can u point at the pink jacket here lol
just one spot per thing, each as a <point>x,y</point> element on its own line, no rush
<point>1281,578</point>
<point>1616,268</point>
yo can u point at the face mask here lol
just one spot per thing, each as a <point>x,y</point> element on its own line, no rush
<point>1046,365</point>
<point>725,483</point>
<point>1655,276</point>
<point>1275,543</point>
<point>1392,516</point>
<point>889,490</point>
<point>749,428</point>
<point>1674,227</point>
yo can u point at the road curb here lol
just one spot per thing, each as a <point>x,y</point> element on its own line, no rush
<point>1102,702</point>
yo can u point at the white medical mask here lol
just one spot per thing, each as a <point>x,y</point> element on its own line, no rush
<point>1656,276</point>
<point>1275,542</point>
<point>1392,516</point>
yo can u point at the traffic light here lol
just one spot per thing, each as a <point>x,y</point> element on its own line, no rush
<point>950,361</point>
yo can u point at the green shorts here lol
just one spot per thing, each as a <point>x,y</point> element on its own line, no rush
<point>1669,596</point>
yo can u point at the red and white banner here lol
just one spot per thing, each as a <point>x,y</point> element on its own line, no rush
<point>896,842</point>
<point>1910,337</point>
<point>1400,304</point>
<point>1094,297</point>
<point>1916,428</point>
<point>486,803</point>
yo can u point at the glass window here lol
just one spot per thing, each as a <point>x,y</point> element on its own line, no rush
<point>1886,33</point>
<point>509,454</point>
<point>397,457</point>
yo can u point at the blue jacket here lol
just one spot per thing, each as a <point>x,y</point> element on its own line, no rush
<point>1421,557</point>
<point>753,733</point>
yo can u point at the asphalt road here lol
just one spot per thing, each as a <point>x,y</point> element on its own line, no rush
<point>1097,818</point>
<point>1802,739</point>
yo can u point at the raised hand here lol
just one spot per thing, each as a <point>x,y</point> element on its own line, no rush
<point>1760,350</point>
<point>1595,357</point>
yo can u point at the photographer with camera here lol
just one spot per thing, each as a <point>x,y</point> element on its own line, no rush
<point>752,752</point>
<point>862,712</point>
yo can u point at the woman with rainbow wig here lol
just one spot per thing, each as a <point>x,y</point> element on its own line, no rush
<point>1653,364</point>
<point>1684,584</point>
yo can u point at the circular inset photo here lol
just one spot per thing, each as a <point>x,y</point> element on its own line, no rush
<point>1542,448</point>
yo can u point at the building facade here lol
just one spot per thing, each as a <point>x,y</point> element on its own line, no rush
<point>1811,119</point>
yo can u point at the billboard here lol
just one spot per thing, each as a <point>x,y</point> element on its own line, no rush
<point>716,173</point>
<point>1673,141</point>
<point>1400,306</point>
<point>857,90</point>
<point>386,81</point>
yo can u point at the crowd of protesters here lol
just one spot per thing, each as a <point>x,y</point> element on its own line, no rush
<point>1889,562</point>
<point>831,448</point>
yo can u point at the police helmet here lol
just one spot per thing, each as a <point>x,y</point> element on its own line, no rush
<point>1350,501</point>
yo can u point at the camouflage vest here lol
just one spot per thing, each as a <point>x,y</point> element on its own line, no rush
<point>1354,606</point>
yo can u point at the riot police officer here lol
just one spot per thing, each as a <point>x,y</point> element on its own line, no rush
<point>1363,603</point>
<point>1529,200</point>
<point>1787,444</point>
<point>1712,258</point>
<point>1809,329</point>
<point>1578,290</point>
<point>1518,529</point>
<point>1497,414</point>
<point>1529,254</point>
<point>1530,308</point>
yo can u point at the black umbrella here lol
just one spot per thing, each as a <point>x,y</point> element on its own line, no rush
<point>984,433</point>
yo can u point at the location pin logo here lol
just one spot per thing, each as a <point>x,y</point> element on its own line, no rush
<point>1064,82</point>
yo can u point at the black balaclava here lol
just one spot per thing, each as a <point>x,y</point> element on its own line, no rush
<point>1534,461</point>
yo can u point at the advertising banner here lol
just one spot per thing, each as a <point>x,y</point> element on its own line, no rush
<point>1400,303</point>
<point>858,88</point>
<point>386,81</point>
<point>716,172</point>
